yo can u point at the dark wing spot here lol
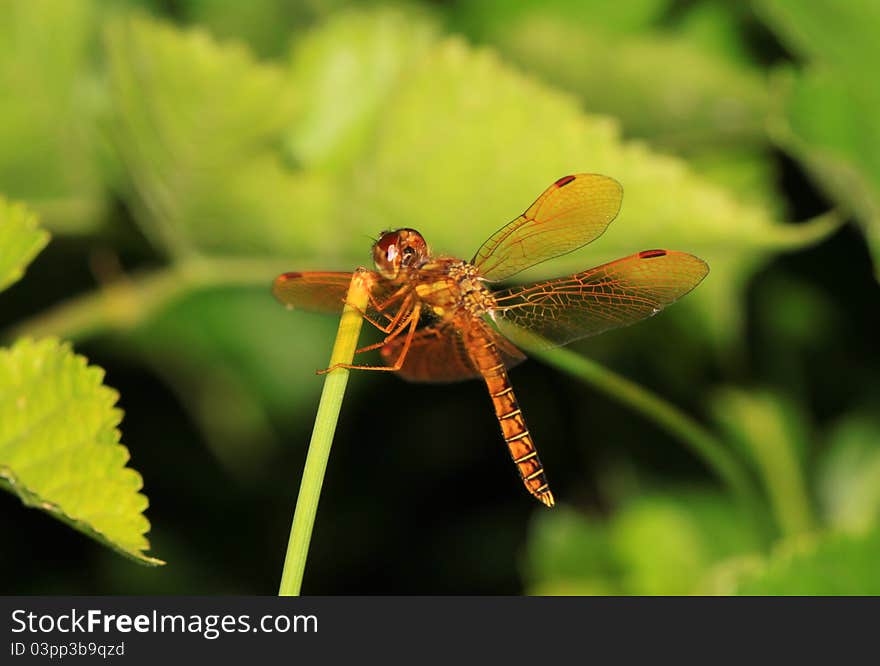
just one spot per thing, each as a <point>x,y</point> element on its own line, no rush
<point>565,180</point>
<point>650,254</point>
<point>289,276</point>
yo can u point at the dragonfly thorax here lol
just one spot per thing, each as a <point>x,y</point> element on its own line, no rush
<point>460,290</point>
<point>399,251</point>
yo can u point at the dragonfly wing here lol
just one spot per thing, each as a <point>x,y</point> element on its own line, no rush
<point>313,291</point>
<point>616,294</point>
<point>572,212</point>
<point>326,291</point>
<point>439,354</point>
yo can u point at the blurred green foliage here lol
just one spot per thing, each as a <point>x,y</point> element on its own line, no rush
<point>831,121</point>
<point>849,473</point>
<point>47,119</point>
<point>20,241</point>
<point>770,431</point>
<point>182,153</point>
<point>706,98</point>
<point>842,564</point>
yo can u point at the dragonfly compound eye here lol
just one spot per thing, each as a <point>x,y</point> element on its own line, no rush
<point>408,254</point>
<point>413,246</point>
<point>386,254</point>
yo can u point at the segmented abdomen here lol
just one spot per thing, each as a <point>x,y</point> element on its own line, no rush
<point>513,424</point>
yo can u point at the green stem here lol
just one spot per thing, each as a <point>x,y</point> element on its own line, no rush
<point>126,303</point>
<point>700,441</point>
<point>322,439</point>
<point>765,425</point>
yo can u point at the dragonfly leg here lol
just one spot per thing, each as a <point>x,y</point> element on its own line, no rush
<point>409,324</point>
<point>380,307</point>
<point>388,301</point>
<point>398,329</point>
<point>382,327</point>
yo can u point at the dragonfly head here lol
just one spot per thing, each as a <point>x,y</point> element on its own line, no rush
<point>397,251</point>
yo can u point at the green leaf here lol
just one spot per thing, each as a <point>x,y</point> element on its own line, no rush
<point>569,553</point>
<point>749,173</point>
<point>487,20</point>
<point>346,70</point>
<point>659,547</point>
<point>709,102</point>
<point>718,28</point>
<point>199,127</point>
<point>266,25</point>
<point>849,474</point>
<point>661,543</point>
<point>668,542</point>
<point>21,239</point>
<point>458,180</point>
<point>774,435</point>
<point>724,578</point>
<point>835,564</point>
<point>814,30</point>
<point>832,118</point>
<point>59,446</point>
<point>47,133</point>
<point>831,129</point>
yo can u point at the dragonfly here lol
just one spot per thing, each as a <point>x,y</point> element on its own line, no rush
<point>442,321</point>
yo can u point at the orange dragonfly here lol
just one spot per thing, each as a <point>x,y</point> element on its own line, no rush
<point>442,323</point>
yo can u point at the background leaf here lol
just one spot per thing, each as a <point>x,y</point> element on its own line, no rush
<point>709,104</point>
<point>199,127</point>
<point>662,542</point>
<point>48,154</point>
<point>485,20</point>
<point>660,548</point>
<point>59,445</point>
<point>20,241</point>
<point>770,430</point>
<point>265,25</point>
<point>668,542</point>
<point>832,118</point>
<point>834,565</point>
<point>849,474</point>
<point>359,57</point>
<point>570,553</point>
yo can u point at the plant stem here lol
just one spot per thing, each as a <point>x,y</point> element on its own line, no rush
<point>131,300</point>
<point>322,439</point>
<point>700,441</point>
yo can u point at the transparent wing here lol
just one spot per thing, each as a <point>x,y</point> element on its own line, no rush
<point>572,212</point>
<point>326,291</point>
<point>439,354</point>
<point>313,291</point>
<point>616,294</point>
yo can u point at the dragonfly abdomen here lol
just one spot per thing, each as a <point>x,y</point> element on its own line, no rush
<point>513,424</point>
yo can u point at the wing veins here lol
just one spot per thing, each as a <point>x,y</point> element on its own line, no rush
<point>569,214</point>
<point>608,296</point>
